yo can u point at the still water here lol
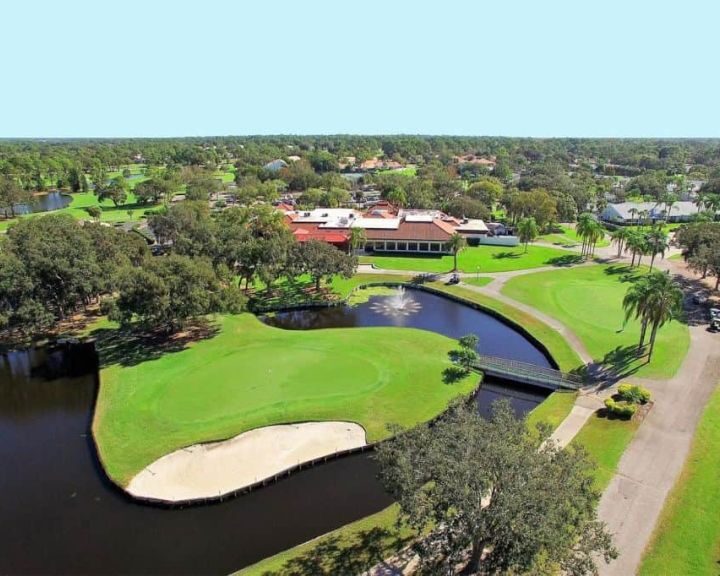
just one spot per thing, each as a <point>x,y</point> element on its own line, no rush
<point>60,515</point>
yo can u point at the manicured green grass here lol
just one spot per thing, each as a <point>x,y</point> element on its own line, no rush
<point>250,375</point>
<point>589,301</point>
<point>478,280</point>
<point>565,357</point>
<point>687,537</point>
<point>553,410</point>
<point>410,172</point>
<point>351,549</point>
<point>569,236</point>
<point>480,258</point>
<point>606,441</point>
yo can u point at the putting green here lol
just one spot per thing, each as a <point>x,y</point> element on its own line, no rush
<point>251,375</point>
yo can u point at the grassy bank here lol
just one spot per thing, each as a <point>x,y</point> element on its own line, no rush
<point>347,550</point>
<point>687,537</point>
<point>250,375</point>
<point>606,441</point>
<point>481,258</point>
<point>589,300</point>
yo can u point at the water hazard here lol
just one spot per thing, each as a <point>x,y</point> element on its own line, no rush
<point>59,514</point>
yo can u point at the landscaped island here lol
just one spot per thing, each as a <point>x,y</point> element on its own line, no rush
<point>250,375</point>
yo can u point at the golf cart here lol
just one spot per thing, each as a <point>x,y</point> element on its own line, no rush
<point>454,279</point>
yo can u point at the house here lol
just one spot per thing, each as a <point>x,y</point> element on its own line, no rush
<point>634,212</point>
<point>275,165</point>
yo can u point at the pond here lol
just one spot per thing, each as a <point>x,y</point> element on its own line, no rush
<point>44,203</point>
<point>59,513</point>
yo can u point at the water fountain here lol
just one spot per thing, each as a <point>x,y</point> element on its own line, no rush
<point>399,304</point>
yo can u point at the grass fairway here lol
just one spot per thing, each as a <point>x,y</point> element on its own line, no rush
<point>606,441</point>
<point>568,237</point>
<point>250,375</point>
<point>479,258</point>
<point>589,301</point>
<point>553,410</point>
<point>687,536</point>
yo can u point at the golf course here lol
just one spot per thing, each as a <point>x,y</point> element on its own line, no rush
<point>589,299</point>
<point>249,375</point>
<point>484,259</point>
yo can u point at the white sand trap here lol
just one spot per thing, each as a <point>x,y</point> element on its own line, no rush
<point>217,468</point>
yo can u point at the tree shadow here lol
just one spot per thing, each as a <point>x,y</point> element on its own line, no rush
<point>131,347</point>
<point>334,556</point>
<point>625,271</point>
<point>619,363</point>
<point>506,255</point>
<point>453,374</point>
<point>566,260</point>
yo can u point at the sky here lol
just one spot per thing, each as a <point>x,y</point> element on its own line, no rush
<point>582,68</point>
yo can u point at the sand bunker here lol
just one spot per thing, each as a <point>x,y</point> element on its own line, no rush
<point>211,470</point>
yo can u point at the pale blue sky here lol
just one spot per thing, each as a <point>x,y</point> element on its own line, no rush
<point>515,68</point>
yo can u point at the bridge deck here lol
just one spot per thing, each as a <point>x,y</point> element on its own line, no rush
<point>527,373</point>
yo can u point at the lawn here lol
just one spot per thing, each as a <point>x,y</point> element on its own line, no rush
<point>553,410</point>
<point>606,441</point>
<point>479,281</point>
<point>568,236</point>
<point>687,537</point>
<point>588,300</point>
<point>250,375</point>
<point>480,258</point>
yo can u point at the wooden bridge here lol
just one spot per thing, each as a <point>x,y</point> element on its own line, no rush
<point>527,373</point>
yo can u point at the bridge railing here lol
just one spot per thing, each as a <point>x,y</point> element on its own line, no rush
<point>528,371</point>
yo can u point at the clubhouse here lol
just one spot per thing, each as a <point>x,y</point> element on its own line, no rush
<point>386,229</point>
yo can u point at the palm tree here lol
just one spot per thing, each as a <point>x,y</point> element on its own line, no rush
<point>527,231</point>
<point>658,242</point>
<point>357,239</point>
<point>595,233</point>
<point>664,303</point>
<point>635,244</point>
<point>635,304</point>
<point>456,244</point>
<point>619,236</point>
<point>633,212</point>
<point>583,227</point>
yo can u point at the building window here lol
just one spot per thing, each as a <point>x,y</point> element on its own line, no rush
<point>380,246</point>
<point>402,245</point>
<point>434,247</point>
<point>412,246</point>
<point>390,246</point>
<point>423,246</point>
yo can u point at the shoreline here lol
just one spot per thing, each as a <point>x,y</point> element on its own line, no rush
<point>212,470</point>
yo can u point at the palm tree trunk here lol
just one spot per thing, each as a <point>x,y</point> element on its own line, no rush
<point>652,340</point>
<point>643,330</point>
<point>455,261</point>
<point>632,262</point>
<point>652,260</point>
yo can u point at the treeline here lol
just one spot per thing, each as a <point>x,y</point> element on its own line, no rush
<point>38,161</point>
<point>53,267</point>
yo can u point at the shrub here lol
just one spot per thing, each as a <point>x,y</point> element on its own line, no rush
<point>620,409</point>
<point>634,394</point>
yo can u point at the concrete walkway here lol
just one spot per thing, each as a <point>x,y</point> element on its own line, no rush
<point>632,503</point>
